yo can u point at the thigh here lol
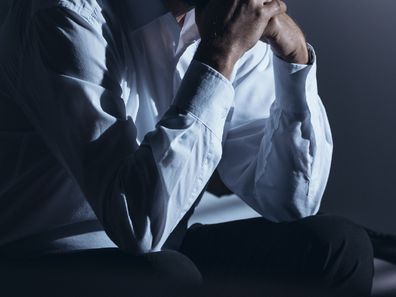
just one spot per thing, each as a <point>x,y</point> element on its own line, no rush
<point>242,248</point>
<point>325,250</point>
<point>103,272</point>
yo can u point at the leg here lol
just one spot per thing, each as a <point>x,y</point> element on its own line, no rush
<point>104,272</point>
<point>325,251</point>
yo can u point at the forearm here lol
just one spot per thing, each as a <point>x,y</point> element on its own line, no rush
<point>285,158</point>
<point>287,40</point>
<point>156,185</point>
<point>303,136</point>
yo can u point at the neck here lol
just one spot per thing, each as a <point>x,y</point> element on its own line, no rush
<point>180,19</point>
<point>179,9</point>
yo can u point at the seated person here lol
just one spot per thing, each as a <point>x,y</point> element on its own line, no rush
<point>114,116</point>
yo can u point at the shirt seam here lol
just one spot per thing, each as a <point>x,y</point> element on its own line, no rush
<point>88,13</point>
<point>203,123</point>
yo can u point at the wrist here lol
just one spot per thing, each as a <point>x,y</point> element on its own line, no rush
<point>300,54</point>
<point>221,60</point>
<point>297,54</point>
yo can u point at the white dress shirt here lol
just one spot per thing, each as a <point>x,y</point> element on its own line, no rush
<point>107,125</point>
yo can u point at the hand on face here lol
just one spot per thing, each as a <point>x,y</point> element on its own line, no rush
<point>229,28</point>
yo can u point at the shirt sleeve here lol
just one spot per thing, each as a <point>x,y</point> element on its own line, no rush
<point>278,150</point>
<point>70,90</point>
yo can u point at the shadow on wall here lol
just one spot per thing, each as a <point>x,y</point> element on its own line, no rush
<point>356,46</point>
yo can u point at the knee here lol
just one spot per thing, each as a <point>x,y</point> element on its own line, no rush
<point>333,229</point>
<point>174,267</point>
<point>337,241</point>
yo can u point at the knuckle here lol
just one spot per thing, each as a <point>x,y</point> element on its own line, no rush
<point>246,4</point>
<point>283,6</point>
<point>277,6</point>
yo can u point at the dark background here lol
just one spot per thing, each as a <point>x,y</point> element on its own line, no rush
<point>355,41</point>
<point>3,9</point>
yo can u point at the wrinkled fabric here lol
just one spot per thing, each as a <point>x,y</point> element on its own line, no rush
<point>109,122</point>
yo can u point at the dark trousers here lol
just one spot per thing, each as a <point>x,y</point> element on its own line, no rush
<point>316,256</point>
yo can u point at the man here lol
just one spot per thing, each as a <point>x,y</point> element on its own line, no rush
<point>114,117</point>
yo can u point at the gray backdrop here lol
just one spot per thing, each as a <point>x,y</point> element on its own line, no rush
<point>355,41</point>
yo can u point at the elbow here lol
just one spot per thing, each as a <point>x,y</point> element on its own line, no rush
<point>129,241</point>
<point>137,246</point>
<point>303,202</point>
<point>304,196</point>
<point>309,209</point>
<point>303,205</point>
<point>291,212</point>
<point>142,248</point>
<point>288,204</point>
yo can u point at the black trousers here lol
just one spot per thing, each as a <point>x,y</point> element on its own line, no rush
<point>317,256</point>
<point>322,255</point>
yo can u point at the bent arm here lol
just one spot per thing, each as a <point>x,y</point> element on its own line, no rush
<point>70,90</point>
<point>282,139</point>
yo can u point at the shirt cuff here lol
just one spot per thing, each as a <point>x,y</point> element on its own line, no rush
<point>206,95</point>
<point>292,82</point>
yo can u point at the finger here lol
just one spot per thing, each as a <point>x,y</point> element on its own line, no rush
<point>274,8</point>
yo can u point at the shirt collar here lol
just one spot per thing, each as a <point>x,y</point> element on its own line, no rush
<point>189,32</point>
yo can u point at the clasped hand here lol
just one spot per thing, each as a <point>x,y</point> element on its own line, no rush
<point>229,28</point>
